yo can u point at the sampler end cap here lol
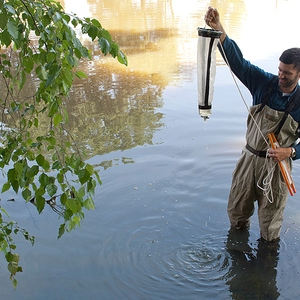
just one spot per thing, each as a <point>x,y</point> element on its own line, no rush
<point>206,32</point>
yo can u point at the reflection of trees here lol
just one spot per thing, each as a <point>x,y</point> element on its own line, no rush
<point>11,117</point>
<point>114,111</point>
<point>134,15</point>
<point>141,42</point>
<point>147,32</point>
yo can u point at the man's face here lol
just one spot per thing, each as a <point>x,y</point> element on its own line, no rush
<point>288,77</point>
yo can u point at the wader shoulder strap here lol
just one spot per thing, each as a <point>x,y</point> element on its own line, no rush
<point>290,106</point>
<point>271,88</point>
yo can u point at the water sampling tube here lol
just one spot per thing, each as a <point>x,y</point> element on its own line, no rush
<point>206,68</point>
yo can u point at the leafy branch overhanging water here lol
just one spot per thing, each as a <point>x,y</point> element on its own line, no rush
<point>41,161</point>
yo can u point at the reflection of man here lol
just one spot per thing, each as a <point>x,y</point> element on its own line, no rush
<point>252,274</point>
<point>275,109</point>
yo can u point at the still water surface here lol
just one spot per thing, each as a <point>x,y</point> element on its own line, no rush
<point>160,228</point>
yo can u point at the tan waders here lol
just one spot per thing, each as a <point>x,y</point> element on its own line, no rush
<point>250,171</point>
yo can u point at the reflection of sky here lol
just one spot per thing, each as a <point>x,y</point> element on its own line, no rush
<point>268,26</point>
<point>79,7</point>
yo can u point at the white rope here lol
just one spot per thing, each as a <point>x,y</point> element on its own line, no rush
<point>269,165</point>
<point>248,109</point>
<point>266,183</point>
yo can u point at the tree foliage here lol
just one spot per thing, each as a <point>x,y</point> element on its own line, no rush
<point>40,161</point>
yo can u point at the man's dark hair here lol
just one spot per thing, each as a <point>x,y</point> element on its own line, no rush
<point>291,56</point>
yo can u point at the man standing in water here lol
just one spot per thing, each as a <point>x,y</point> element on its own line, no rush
<point>275,108</point>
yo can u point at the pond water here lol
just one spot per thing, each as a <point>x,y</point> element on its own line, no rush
<point>160,228</point>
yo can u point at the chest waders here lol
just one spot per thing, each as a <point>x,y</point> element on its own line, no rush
<point>250,168</point>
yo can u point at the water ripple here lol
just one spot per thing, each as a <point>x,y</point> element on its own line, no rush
<point>155,260</point>
<point>203,262</point>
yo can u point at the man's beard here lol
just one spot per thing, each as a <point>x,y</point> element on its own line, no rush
<point>285,83</point>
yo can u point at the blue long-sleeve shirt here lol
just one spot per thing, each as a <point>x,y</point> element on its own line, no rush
<point>257,81</point>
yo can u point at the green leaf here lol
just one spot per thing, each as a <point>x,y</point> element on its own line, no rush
<point>42,162</point>
<point>56,165</point>
<point>104,34</point>
<point>81,192</point>
<point>67,18</point>
<point>40,159</point>
<point>12,29</point>
<point>96,23</point>
<point>89,168</point>
<point>30,155</point>
<point>3,20</point>
<point>81,74</point>
<point>36,122</point>
<point>4,211</point>
<point>92,32</point>
<point>57,16</point>
<point>12,267</point>
<point>91,184</point>
<point>60,178</point>
<point>83,176</point>
<point>61,230</point>
<point>11,175</point>
<point>63,198</point>
<point>5,187</point>
<point>51,189</point>
<point>114,51</point>
<point>89,204</point>
<point>22,79</point>
<point>33,171</point>
<point>51,140</point>
<point>41,72</point>
<point>40,203</point>
<point>66,116</point>
<point>9,257</point>
<point>122,58</point>
<point>74,22</point>
<point>9,8</point>
<point>14,283</point>
<point>15,185</point>
<point>72,60</point>
<point>57,119</point>
<point>28,64</point>
<point>84,52</point>
<point>13,263</point>
<point>53,73</point>
<point>68,78</point>
<point>44,179</point>
<point>73,205</point>
<point>53,109</point>
<point>5,38</point>
<point>104,45</point>
<point>26,193</point>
